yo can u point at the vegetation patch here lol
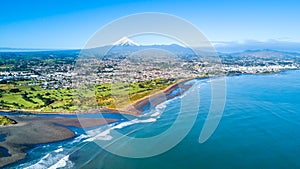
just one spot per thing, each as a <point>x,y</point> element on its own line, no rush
<point>6,121</point>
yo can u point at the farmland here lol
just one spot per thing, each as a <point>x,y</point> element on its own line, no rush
<point>15,96</point>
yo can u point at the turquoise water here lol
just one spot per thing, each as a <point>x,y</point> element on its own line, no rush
<point>260,128</point>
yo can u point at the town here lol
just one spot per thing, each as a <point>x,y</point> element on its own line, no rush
<point>54,71</point>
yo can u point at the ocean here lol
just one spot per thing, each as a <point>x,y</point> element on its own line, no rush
<point>260,128</point>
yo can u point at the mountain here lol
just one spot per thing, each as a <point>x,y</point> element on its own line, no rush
<point>125,41</point>
<point>269,53</point>
<point>123,46</point>
<point>126,46</point>
<point>262,54</point>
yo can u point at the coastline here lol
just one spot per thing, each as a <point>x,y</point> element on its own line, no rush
<point>28,131</point>
<point>31,130</point>
<point>159,96</point>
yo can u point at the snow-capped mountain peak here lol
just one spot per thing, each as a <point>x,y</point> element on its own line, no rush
<point>125,41</point>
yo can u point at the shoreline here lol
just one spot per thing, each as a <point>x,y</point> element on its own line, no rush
<point>160,96</point>
<point>29,131</point>
<point>33,130</point>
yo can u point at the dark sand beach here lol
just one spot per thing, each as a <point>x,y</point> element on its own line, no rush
<point>32,130</point>
<point>157,98</point>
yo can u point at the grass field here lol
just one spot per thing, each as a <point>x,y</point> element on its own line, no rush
<point>23,97</point>
<point>5,121</point>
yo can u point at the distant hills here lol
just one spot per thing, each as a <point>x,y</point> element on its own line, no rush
<point>231,47</point>
<point>126,46</point>
<point>265,53</point>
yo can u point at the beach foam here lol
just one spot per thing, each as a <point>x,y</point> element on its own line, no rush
<point>62,163</point>
<point>59,150</point>
<point>160,108</point>
<point>55,159</point>
<point>80,138</point>
<point>46,161</point>
<point>105,135</point>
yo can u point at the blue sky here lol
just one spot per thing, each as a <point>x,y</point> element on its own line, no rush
<point>70,23</point>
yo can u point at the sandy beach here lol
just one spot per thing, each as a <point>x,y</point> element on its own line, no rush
<point>32,130</point>
<point>157,98</point>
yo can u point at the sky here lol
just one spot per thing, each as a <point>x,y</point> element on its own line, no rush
<point>68,24</point>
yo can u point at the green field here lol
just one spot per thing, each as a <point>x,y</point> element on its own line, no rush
<point>5,121</point>
<point>17,96</point>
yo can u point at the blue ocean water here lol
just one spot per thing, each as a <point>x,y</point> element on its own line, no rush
<point>260,128</point>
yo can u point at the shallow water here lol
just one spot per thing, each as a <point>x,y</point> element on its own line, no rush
<point>259,129</point>
<point>4,152</point>
<point>2,137</point>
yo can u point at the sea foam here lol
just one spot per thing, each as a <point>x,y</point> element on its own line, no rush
<point>62,163</point>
